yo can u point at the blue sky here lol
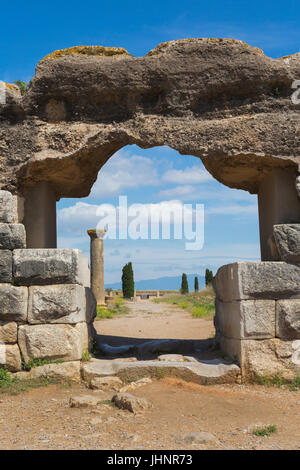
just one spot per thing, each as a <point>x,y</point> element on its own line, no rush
<point>30,30</point>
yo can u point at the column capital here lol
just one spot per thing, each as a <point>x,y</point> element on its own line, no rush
<point>96,233</point>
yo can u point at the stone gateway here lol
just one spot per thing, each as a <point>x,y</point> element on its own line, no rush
<point>217,99</point>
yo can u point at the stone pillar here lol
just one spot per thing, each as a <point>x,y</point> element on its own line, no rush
<point>278,203</point>
<point>97,265</point>
<point>40,216</point>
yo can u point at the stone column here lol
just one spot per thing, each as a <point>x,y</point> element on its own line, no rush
<point>40,216</point>
<point>97,265</point>
<point>278,203</point>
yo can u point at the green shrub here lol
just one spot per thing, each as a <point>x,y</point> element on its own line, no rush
<point>265,431</point>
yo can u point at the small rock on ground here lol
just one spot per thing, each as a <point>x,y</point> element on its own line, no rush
<point>106,383</point>
<point>84,401</point>
<point>200,437</point>
<point>128,402</point>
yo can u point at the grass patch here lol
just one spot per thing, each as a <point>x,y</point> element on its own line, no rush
<point>265,431</point>
<point>278,381</point>
<point>85,356</point>
<point>13,385</point>
<point>118,308</point>
<point>199,304</point>
<point>38,362</point>
<point>108,403</point>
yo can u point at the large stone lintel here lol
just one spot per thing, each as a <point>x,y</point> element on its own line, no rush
<point>257,280</point>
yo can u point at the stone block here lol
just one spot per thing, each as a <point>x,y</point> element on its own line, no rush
<point>8,332</point>
<point>5,266</point>
<point>12,236</point>
<point>10,357</point>
<point>13,303</point>
<point>257,280</point>
<point>43,266</point>
<point>254,319</point>
<point>86,272</point>
<point>66,342</point>
<point>60,371</point>
<point>288,319</point>
<point>266,357</point>
<point>60,303</point>
<point>8,207</point>
<point>287,238</point>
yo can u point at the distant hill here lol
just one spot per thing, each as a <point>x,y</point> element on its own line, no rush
<point>162,283</point>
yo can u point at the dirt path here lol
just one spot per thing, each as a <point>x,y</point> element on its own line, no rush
<point>149,320</point>
<point>42,418</point>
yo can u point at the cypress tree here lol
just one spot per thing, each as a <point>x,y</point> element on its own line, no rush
<point>127,281</point>
<point>196,284</point>
<point>184,284</point>
<point>208,277</point>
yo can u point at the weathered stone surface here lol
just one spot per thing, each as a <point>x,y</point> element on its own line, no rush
<point>204,372</point>
<point>66,342</point>
<point>63,371</point>
<point>5,266</point>
<point>264,357</point>
<point>171,358</point>
<point>60,303</point>
<point>12,236</point>
<point>199,437</point>
<point>126,401</point>
<point>47,266</point>
<point>10,357</point>
<point>8,208</point>
<point>253,319</point>
<point>8,332</point>
<point>257,280</point>
<point>106,383</point>
<point>218,99</point>
<point>287,237</point>
<point>13,303</point>
<point>288,319</point>
<point>85,401</point>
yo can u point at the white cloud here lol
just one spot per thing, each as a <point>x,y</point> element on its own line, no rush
<point>233,209</point>
<point>123,171</point>
<point>209,192</point>
<point>190,175</point>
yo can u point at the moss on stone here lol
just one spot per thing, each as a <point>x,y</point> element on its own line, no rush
<point>90,51</point>
<point>164,45</point>
<point>11,86</point>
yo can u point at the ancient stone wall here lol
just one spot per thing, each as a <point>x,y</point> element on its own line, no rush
<point>258,311</point>
<point>46,309</point>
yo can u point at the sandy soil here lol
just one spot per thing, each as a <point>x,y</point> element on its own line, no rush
<point>149,320</point>
<point>42,419</point>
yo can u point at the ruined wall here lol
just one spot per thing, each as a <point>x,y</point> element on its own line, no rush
<point>258,310</point>
<point>46,309</point>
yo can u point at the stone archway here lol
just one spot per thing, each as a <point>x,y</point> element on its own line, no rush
<point>217,99</point>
